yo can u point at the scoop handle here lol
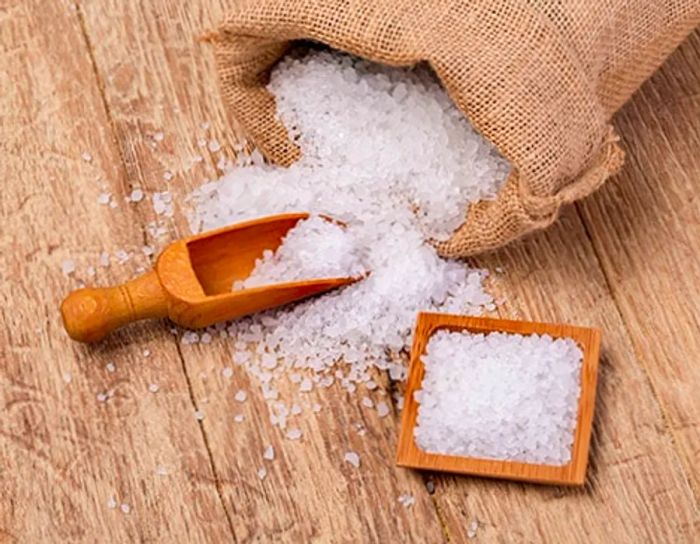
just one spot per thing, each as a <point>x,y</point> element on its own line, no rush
<point>92,313</point>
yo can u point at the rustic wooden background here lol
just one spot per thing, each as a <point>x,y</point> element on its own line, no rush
<point>103,77</point>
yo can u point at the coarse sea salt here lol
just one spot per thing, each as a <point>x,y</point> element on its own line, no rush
<point>387,153</point>
<point>499,396</point>
<point>315,248</point>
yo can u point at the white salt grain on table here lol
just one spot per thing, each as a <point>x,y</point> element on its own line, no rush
<point>386,152</point>
<point>499,396</point>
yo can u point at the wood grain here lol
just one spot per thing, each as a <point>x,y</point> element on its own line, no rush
<point>645,226</point>
<point>409,454</point>
<point>129,82</point>
<point>64,453</point>
<point>150,61</point>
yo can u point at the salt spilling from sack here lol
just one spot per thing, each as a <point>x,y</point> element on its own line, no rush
<point>387,153</point>
<point>314,248</point>
<point>499,396</point>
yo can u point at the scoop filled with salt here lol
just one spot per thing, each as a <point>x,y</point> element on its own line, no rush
<point>193,278</point>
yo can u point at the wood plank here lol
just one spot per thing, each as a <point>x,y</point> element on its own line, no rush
<point>157,77</point>
<point>634,470</point>
<point>645,226</point>
<point>64,453</point>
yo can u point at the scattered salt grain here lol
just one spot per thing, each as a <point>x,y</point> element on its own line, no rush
<point>227,372</point>
<point>125,508</point>
<point>86,156</point>
<point>214,146</point>
<point>68,267</point>
<point>382,409</point>
<point>136,195</point>
<point>158,136</point>
<point>241,395</point>
<point>104,198</point>
<point>238,418</point>
<point>90,271</point>
<point>352,458</point>
<point>102,396</point>
<point>67,377</point>
<point>367,402</point>
<point>296,409</point>
<point>306,385</point>
<point>168,175</point>
<point>146,352</point>
<point>189,337</point>
<point>161,470</point>
<point>499,396</point>
<point>104,259</point>
<point>262,473</point>
<point>153,387</point>
<point>316,408</point>
<point>205,338</point>
<point>199,415</point>
<point>148,250</point>
<point>472,529</point>
<point>110,367</point>
<point>112,503</point>
<point>407,500</point>
<point>269,453</point>
<point>294,434</point>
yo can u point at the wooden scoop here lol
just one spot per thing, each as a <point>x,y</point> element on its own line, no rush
<point>192,281</point>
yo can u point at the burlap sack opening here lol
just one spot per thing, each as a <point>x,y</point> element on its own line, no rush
<point>539,79</point>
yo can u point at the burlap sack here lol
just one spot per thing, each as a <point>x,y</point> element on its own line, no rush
<point>539,78</point>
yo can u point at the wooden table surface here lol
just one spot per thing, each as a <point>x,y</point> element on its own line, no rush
<point>103,78</point>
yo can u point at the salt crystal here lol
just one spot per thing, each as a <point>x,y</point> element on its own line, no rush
<point>306,385</point>
<point>103,198</point>
<point>227,372</point>
<point>146,352</point>
<point>262,473</point>
<point>112,503</point>
<point>136,195</point>
<point>91,271</point>
<point>168,175</point>
<point>153,387</point>
<point>86,156</point>
<point>293,434</point>
<point>241,395</point>
<point>104,259</point>
<point>316,408</point>
<point>199,415</point>
<point>158,136</point>
<point>407,500</point>
<point>110,367</point>
<point>102,397</point>
<point>238,418</point>
<point>125,508</point>
<point>352,458</point>
<point>214,146</point>
<point>148,250</point>
<point>472,529</point>
<point>68,267</point>
<point>367,402</point>
<point>499,396</point>
<point>67,377</point>
<point>296,409</point>
<point>205,338</point>
<point>382,409</point>
<point>161,470</point>
<point>269,453</point>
